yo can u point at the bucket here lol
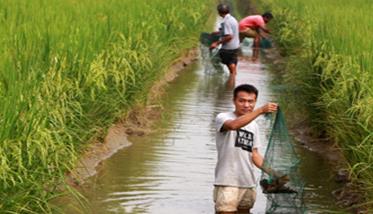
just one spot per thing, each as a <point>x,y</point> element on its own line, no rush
<point>208,38</point>
<point>265,43</point>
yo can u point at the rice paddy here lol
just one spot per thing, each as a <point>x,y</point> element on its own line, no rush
<point>69,69</point>
<point>330,65</point>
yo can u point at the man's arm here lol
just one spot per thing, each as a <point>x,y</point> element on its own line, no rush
<point>264,32</point>
<point>258,161</point>
<point>265,29</point>
<point>257,158</point>
<point>248,117</point>
<point>225,39</point>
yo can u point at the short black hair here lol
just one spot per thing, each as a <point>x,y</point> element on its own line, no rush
<point>268,15</point>
<point>247,88</point>
<point>223,8</point>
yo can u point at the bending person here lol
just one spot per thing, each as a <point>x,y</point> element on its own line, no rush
<point>255,27</point>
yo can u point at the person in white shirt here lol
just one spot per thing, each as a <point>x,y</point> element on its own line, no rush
<point>229,39</point>
<point>237,142</point>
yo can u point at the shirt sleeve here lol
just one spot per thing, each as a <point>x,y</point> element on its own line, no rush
<point>220,120</point>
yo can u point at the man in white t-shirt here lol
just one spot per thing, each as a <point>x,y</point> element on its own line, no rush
<point>237,142</point>
<point>230,40</point>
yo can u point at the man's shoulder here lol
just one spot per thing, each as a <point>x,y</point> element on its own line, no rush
<point>231,18</point>
<point>227,114</point>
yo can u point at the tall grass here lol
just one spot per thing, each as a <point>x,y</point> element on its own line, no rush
<point>68,69</point>
<point>330,64</point>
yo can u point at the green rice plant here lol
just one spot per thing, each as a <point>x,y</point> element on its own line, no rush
<point>330,64</point>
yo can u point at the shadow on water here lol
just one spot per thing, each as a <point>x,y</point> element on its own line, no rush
<point>172,169</point>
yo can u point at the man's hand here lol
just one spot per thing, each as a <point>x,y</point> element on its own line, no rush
<point>264,36</point>
<point>271,172</point>
<point>214,45</point>
<point>269,107</point>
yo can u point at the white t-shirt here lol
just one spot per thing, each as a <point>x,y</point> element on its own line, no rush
<point>235,166</point>
<point>229,25</point>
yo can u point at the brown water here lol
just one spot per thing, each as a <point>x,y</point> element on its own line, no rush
<point>172,169</point>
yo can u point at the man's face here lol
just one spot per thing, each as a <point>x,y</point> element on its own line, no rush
<point>244,102</point>
<point>266,20</point>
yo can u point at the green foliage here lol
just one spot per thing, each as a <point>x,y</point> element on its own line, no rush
<point>330,66</point>
<point>68,69</point>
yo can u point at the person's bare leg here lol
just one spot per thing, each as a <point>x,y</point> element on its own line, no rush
<point>255,54</point>
<point>242,36</point>
<point>231,82</point>
<point>256,41</point>
<point>256,48</point>
<point>232,69</point>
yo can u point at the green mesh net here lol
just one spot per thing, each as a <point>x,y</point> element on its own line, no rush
<point>265,43</point>
<point>208,38</point>
<point>283,187</point>
<point>210,58</point>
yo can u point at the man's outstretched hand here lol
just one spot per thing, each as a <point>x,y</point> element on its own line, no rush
<point>269,107</point>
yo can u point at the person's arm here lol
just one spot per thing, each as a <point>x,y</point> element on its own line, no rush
<point>257,158</point>
<point>262,29</point>
<point>225,39</point>
<point>248,117</point>
<point>265,29</point>
<point>264,33</point>
<point>258,161</point>
<point>227,30</point>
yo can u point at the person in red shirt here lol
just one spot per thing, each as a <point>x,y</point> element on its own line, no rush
<point>253,27</point>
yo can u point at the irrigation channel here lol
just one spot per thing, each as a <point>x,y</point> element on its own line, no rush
<point>172,169</point>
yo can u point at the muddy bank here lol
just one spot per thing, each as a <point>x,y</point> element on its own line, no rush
<point>350,194</point>
<point>137,122</point>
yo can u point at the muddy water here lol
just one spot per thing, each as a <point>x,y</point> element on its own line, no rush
<point>172,169</point>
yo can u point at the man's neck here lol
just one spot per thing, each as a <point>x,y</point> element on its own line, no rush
<point>236,113</point>
<point>223,16</point>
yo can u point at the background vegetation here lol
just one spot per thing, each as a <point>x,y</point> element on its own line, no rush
<point>330,72</point>
<point>68,69</point>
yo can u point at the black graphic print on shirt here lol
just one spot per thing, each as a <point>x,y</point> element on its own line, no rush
<point>245,140</point>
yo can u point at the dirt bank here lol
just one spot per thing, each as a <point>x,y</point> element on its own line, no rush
<point>136,122</point>
<point>350,195</point>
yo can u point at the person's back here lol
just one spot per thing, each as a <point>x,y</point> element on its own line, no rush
<point>229,26</point>
<point>253,22</point>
